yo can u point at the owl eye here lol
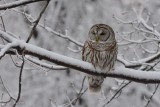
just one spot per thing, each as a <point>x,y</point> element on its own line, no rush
<point>92,36</point>
<point>102,33</point>
<point>93,33</point>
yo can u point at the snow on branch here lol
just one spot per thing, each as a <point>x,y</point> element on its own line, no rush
<point>45,65</point>
<point>129,64</point>
<point>119,72</point>
<point>17,3</point>
<point>61,35</point>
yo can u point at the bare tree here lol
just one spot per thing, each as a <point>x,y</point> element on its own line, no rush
<point>138,57</point>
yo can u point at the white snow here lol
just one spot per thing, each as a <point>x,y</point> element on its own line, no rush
<point>78,64</point>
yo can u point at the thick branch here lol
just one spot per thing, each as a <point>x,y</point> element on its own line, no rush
<point>128,64</point>
<point>17,3</point>
<point>120,72</point>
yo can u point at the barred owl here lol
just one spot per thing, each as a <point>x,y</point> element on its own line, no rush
<point>100,49</point>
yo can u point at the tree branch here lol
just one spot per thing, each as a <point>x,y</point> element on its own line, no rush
<point>37,21</point>
<point>17,3</point>
<point>119,72</point>
<point>120,89</point>
<point>149,100</point>
<point>20,81</point>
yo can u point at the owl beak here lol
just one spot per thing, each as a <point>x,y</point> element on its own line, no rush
<point>97,38</point>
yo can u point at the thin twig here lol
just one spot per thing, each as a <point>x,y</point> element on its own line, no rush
<point>149,100</point>
<point>20,81</point>
<point>80,92</point>
<point>61,35</point>
<point>45,65</point>
<point>3,23</point>
<point>37,21</point>
<point>17,3</point>
<point>48,29</point>
<point>116,93</point>
<point>119,90</point>
<point>11,98</point>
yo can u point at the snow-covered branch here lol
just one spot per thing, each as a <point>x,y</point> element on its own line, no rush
<point>45,65</point>
<point>119,72</point>
<point>31,19</point>
<point>61,35</point>
<point>17,3</point>
<point>120,58</point>
<point>143,37</point>
<point>144,61</point>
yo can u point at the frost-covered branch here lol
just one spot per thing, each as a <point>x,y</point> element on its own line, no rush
<point>6,48</point>
<point>48,29</point>
<point>144,61</point>
<point>140,20</point>
<point>141,37</point>
<point>10,97</point>
<point>119,72</point>
<point>45,65</point>
<point>80,93</point>
<point>17,3</point>
<point>20,81</point>
<point>149,100</point>
<point>61,35</point>
<point>120,89</point>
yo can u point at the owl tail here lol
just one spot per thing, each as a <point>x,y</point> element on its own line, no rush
<point>95,83</point>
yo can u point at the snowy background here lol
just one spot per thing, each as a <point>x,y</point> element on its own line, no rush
<point>56,88</point>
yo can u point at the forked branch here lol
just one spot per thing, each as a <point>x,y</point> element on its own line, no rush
<point>17,3</point>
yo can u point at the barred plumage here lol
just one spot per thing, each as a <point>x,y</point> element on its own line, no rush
<point>101,53</point>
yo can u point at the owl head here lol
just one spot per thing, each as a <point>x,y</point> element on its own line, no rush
<point>101,33</point>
